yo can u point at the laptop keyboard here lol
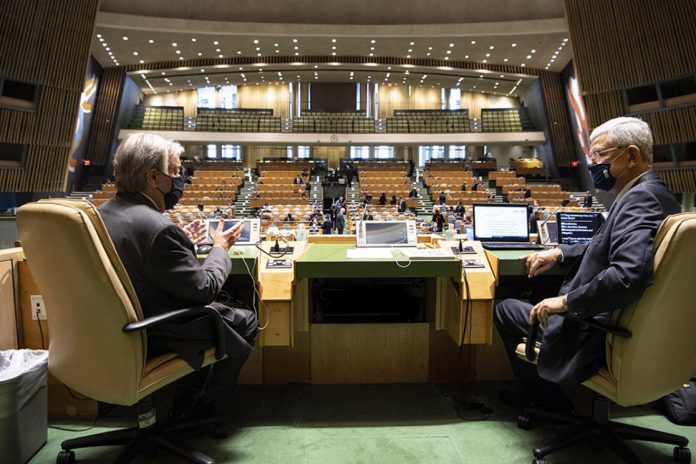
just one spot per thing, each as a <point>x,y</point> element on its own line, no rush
<point>511,246</point>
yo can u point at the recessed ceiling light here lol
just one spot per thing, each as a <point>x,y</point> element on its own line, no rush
<point>523,65</point>
<point>505,60</point>
<point>449,52</point>
<point>372,41</point>
<point>173,44</point>
<point>333,40</point>
<point>256,41</point>
<point>142,62</point>
<point>565,40</point>
<point>473,42</point>
<point>446,58</point>
<point>193,39</point>
<point>316,66</point>
<point>219,56</point>
<point>108,49</point>
<point>529,57</point>
<point>372,54</point>
<point>275,45</point>
<point>514,45</point>
<point>239,52</point>
<point>488,55</point>
<point>297,54</point>
<point>408,56</point>
<point>135,53</point>
<point>451,45</point>
<point>333,53</point>
<point>492,47</point>
<point>99,36</point>
<point>178,52</point>
<point>181,58</point>
<point>202,70</point>
<point>533,50</point>
<point>125,37</point>
<point>427,54</point>
<point>466,57</point>
<point>151,41</point>
<point>277,51</point>
<point>333,48</point>
<point>200,54</point>
<point>502,75</point>
<point>485,61</point>
<point>258,54</point>
<point>257,49</point>
<point>294,40</point>
<point>410,50</point>
<point>163,73</point>
<point>216,42</point>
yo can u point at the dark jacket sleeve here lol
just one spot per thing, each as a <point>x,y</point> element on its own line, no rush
<point>630,268</point>
<point>175,268</point>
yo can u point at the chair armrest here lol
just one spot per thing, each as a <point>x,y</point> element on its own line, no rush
<point>530,352</point>
<point>217,325</point>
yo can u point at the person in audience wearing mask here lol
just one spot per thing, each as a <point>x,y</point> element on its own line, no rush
<point>393,200</point>
<point>402,205</point>
<point>604,275</point>
<point>414,192</point>
<point>340,220</point>
<point>160,260</point>
<point>383,199</point>
<point>438,220</point>
<point>327,225</point>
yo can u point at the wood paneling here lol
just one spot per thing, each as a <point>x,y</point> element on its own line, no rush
<point>557,116</point>
<point>105,118</point>
<point>679,180</point>
<point>46,44</point>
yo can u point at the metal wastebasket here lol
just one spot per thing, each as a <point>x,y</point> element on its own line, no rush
<point>23,404</point>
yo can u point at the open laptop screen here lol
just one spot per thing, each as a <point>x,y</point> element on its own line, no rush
<point>501,222</point>
<point>386,233</point>
<point>577,227</point>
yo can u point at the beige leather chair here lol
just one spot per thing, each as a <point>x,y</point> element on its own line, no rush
<point>97,341</point>
<point>655,357</point>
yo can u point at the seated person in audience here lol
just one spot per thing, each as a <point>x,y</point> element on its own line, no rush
<point>587,201</point>
<point>308,187</point>
<point>298,180</point>
<point>442,199</point>
<point>565,202</point>
<point>172,277</point>
<point>367,216</point>
<point>464,187</point>
<point>527,193</point>
<point>367,198</point>
<point>475,186</point>
<point>403,207</point>
<point>393,200</point>
<point>609,272</point>
<point>305,172</point>
<point>327,225</point>
<point>414,192</point>
<point>288,217</point>
<point>437,220</point>
<point>383,199</point>
<point>459,210</point>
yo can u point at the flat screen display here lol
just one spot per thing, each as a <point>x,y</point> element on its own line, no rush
<point>386,233</point>
<point>577,227</point>
<point>501,222</point>
<point>244,238</point>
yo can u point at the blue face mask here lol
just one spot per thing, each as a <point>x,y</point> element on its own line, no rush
<point>601,174</point>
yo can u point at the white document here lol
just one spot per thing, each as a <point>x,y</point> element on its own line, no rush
<point>369,253</point>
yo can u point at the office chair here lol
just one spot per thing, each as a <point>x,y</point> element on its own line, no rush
<point>98,343</point>
<point>651,352</point>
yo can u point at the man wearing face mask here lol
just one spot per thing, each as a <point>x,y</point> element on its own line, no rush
<point>161,262</point>
<point>604,275</point>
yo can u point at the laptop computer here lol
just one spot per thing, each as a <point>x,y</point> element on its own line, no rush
<point>577,227</point>
<point>387,234</point>
<point>502,226</point>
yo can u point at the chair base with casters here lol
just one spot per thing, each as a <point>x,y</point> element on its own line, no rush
<point>600,432</point>
<point>597,429</point>
<point>146,441</point>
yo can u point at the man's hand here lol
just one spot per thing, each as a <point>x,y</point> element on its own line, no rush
<point>225,239</point>
<point>545,307</point>
<point>194,230</point>
<point>542,261</point>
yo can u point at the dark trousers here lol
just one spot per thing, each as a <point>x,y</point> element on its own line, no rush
<point>512,321</point>
<point>192,338</point>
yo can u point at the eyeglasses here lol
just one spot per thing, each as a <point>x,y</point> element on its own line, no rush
<point>596,155</point>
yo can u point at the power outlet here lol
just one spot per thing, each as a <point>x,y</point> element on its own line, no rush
<point>38,308</point>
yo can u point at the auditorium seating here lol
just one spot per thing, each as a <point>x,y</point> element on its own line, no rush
<point>333,123</point>
<point>506,120</point>
<point>161,118</point>
<point>429,121</point>
<point>227,120</point>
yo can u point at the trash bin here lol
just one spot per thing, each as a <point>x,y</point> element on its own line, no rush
<point>23,404</point>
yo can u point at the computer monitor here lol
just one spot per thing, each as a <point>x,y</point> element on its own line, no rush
<point>501,222</point>
<point>577,227</point>
<point>251,230</point>
<point>386,233</point>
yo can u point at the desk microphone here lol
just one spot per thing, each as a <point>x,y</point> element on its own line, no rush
<point>276,247</point>
<point>543,224</point>
<point>461,247</point>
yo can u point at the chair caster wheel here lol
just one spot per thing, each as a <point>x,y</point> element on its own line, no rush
<point>220,430</point>
<point>65,457</point>
<point>682,455</point>
<point>524,422</point>
<point>540,461</point>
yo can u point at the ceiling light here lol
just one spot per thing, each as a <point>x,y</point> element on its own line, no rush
<point>505,60</point>
<point>104,44</point>
<point>151,41</point>
<point>565,40</point>
<point>333,53</point>
<point>202,70</point>
<point>466,57</point>
<point>372,54</point>
<point>485,61</point>
<point>277,51</point>
<point>125,37</point>
<point>523,65</point>
<point>492,47</point>
<point>297,54</point>
<point>446,58</point>
<point>163,73</point>
<point>200,54</point>
<point>514,45</point>
<point>216,42</point>
<point>408,56</point>
<point>333,48</point>
<point>178,52</point>
<point>239,52</point>
<point>256,41</point>
<point>410,50</point>
<point>372,41</point>
<point>529,57</point>
<point>449,52</point>
<point>173,44</point>
<point>108,49</point>
<point>427,54</point>
<point>135,53</point>
<point>451,45</point>
<point>533,50</point>
<point>473,42</point>
<point>488,55</point>
<point>142,62</point>
<point>294,40</point>
<point>333,40</point>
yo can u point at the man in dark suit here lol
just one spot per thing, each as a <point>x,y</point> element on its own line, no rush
<point>161,262</point>
<point>607,274</point>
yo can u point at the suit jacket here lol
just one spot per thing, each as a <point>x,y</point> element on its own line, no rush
<point>607,274</point>
<point>161,263</point>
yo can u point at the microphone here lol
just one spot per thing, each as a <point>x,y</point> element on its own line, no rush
<point>543,224</point>
<point>461,247</point>
<point>276,247</point>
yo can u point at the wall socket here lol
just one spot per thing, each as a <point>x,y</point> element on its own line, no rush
<point>38,308</point>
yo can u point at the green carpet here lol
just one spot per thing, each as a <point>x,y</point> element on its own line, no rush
<point>351,424</point>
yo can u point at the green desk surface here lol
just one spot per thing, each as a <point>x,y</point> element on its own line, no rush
<point>248,257</point>
<point>510,263</point>
<point>330,260</point>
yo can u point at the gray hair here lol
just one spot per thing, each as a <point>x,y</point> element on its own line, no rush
<point>135,156</point>
<point>625,131</point>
